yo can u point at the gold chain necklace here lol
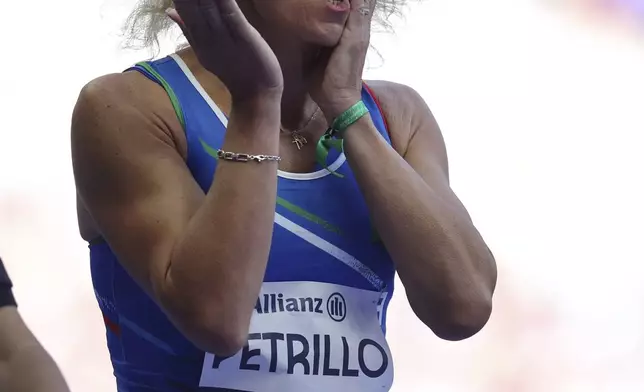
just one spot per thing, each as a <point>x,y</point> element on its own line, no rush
<point>296,137</point>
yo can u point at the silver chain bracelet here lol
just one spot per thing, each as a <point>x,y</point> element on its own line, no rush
<point>239,157</point>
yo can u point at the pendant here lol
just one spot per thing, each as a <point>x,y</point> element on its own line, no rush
<point>298,140</point>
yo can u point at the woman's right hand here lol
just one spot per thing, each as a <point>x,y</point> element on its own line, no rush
<point>227,45</point>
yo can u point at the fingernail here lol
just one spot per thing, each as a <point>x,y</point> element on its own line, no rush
<point>174,15</point>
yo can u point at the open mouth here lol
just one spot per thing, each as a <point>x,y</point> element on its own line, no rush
<point>339,5</point>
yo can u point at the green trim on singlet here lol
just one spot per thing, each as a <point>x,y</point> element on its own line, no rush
<point>297,210</point>
<point>209,150</point>
<point>307,215</point>
<point>166,86</point>
<point>213,153</point>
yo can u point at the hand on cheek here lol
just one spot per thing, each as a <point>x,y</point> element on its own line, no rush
<point>338,81</point>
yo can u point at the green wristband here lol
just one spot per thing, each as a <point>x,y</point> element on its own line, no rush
<point>349,117</point>
<point>325,144</point>
<point>332,138</point>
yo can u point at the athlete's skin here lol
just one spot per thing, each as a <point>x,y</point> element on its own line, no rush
<point>135,189</point>
<point>25,365</point>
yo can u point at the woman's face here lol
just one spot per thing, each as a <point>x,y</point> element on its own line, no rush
<point>318,22</point>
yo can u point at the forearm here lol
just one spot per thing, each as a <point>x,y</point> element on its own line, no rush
<point>24,363</point>
<point>219,263</point>
<point>441,258</point>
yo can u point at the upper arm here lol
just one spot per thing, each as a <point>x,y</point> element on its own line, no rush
<point>415,133</point>
<point>130,175</point>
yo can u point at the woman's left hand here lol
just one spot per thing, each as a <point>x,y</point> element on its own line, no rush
<point>338,83</point>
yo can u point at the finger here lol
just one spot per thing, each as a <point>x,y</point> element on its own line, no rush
<point>176,18</point>
<point>194,10</point>
<point>215,19</point>
<point>361,15</point>
<point>233,17</point>
<point>200,21</point>
<point>372,8</point>
<point>357,31</point>
<point>229,8</point>
<point>174,15</point>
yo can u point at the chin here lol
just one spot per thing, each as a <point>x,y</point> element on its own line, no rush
<point>327,35</point>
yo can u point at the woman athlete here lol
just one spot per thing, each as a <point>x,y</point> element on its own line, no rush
<point>249,199</point>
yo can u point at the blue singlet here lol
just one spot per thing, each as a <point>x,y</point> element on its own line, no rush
<point>319,322</point>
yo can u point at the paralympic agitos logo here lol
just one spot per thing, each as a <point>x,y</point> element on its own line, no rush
<point>335,305</point>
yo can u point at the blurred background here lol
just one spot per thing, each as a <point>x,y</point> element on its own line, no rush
<point>542,108</point>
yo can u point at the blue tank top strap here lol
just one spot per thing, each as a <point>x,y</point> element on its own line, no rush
<point>168,73</point>
<point>377,115</point>
<point>192,106</point>
<point>139,67</point>
<point>165,73</point>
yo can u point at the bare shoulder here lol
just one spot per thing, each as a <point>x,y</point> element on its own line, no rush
<point>112,102</point>
<point>116,114</point>
<point>405,110</point>
<point>119,89</point>
<point>415,133</point>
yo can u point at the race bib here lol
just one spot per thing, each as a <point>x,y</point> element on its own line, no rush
<point>308,336</point>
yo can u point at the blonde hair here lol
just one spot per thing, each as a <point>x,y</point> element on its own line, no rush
<point>148,21</point>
